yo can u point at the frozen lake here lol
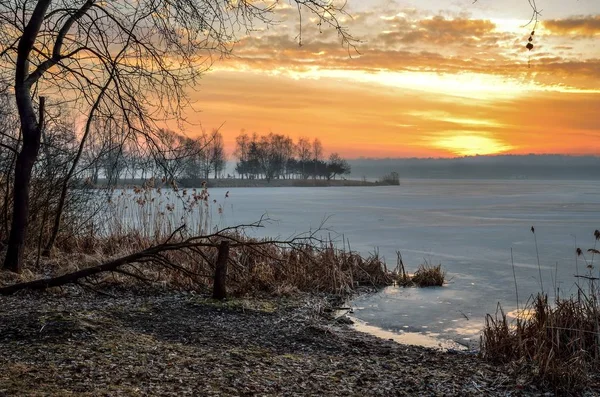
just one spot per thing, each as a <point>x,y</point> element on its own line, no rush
<point>469,226</point>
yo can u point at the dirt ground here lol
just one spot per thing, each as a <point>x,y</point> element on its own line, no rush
<point>178,344</point>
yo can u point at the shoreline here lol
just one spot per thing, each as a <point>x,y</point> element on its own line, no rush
<point>253,183</point>
<point>222,183</point>
<point>172,343</point>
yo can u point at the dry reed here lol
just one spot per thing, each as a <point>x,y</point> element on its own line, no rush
<point>425,276</point>
<point>137,218</point>
<point>553,343</point>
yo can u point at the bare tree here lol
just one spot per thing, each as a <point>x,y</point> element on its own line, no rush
<point>337,166</point>
<point>216,153</point>
<point>242,149</point>
<point>9,145</point>
<point>304,150</point>
<point>137,56</point>
<point>194,163</point>
<point>317,154</point>
<point>171,150</point>
<point>272,156</point>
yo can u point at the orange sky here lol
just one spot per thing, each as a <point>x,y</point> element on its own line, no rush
<point>431,78</point>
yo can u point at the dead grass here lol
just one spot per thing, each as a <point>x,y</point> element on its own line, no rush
<point>426,275</point>
<point>131,220</point>
<point>554,343</point>
<point>137,218</point>
<point>429,276</point>
<point>271,268</point>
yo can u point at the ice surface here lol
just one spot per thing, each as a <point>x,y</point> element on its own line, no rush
<point>469,226</point>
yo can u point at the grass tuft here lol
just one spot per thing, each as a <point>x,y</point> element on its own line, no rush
<point>425,276</point>
<point>429,276</point>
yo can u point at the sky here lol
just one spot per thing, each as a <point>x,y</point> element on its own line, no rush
<point>426,78</point>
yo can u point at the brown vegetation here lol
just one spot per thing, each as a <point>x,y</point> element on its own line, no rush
<point>255,267</point>
<point>553,343</point>
<point>136,239</point>
<point>429,276</point>
<point>426,275</point>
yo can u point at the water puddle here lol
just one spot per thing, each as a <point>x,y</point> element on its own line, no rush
<point>430,340</point>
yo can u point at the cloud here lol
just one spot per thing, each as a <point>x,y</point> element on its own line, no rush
<point>439,31</point>
<point>280,53</point>
<point>582,26</point>
<point>414,41</point>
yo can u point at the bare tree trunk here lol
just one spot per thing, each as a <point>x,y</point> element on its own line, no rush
<point>32,131</point>
<point>23,167</point>
<point>7,193</point>
<point>219,286</point>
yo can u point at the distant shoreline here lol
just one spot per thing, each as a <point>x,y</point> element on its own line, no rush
<point>240,183</point>
<point>291,183</point>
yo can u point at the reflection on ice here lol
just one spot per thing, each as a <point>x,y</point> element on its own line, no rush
<point>430,340</point>
<point>522,314</point>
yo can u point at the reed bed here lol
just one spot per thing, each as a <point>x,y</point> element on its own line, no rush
<point>261,267</point>
<point>307,268</point>
<point>131,220</point>
<point>551,342</point>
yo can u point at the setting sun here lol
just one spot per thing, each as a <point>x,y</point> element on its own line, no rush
<point>471,145</point>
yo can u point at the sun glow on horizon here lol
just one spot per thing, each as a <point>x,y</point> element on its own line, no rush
<point>471,145</point>
<point>465,85</point>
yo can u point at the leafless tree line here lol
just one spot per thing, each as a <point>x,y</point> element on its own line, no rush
<point>172,157</point>
<point>276,156</point>
<point>64,178</point>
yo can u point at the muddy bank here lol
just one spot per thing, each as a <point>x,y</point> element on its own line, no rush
<point>181,344</point>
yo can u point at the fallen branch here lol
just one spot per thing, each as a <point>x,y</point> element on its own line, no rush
<point>155,255</point>
<point>83,273</point>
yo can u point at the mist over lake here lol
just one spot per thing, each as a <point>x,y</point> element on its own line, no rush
<point>469,226</point>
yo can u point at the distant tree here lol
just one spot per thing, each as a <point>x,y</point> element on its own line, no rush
<point>242,148</point>
<point>393,178</point>
<point>272,156</point>
<point>195,162</point>
<point>337,166</point>
<point>304,150</point>
<point>254,154</point>
<point>317,155</point>
<point>267,157</point>
<point>216,153</point>
<point>170,151</point>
